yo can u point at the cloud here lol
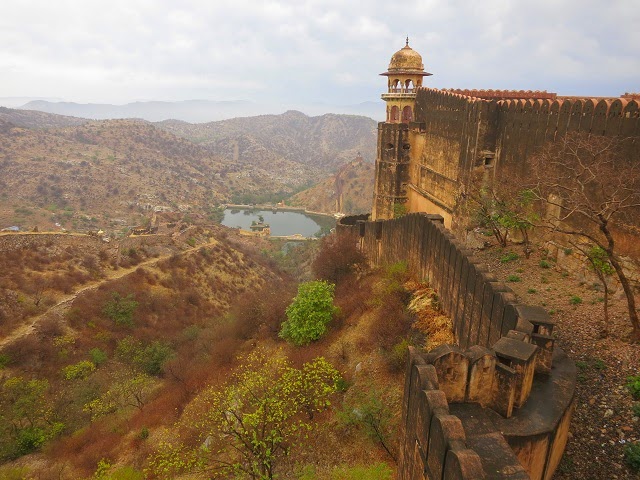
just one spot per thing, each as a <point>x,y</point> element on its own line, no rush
<point>315,51</point>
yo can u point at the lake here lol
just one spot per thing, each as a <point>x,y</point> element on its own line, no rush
<point>281,222</point>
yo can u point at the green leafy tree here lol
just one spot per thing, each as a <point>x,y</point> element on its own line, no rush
<point>120,309</point>
<point>503,209</point>
<point>26,417</point>
<point>245,428</point>
<point>79,370</point>
<point>149,358</point>
<point>129,389</point>
<point>310,312</point>
<point>601,266</point>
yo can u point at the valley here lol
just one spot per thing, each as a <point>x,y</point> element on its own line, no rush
<point>68,174</point>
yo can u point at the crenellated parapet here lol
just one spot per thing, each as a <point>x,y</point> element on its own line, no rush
<point>487,400</point>
<point>504,94</point>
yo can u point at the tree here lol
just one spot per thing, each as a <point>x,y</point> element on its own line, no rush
<point>26,417</point>
<point>337,257</point>
<point>503,208</point>
<point>129,389</point>
<point>374,411</point>
<point>586,184</point>
<point>310,313</point>
<point>601,266</point>
<point>121,309</point>
<point>245,428</point>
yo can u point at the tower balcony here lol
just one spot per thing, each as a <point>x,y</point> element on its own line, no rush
<point>399,94</point>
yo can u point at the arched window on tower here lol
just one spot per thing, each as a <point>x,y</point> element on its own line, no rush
<point>396,86</point>
<point>407,114</point>
<point>394,116</point>
<point>408,85</point>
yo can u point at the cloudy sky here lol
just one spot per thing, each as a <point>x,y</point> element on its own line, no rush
<point>307,51</point>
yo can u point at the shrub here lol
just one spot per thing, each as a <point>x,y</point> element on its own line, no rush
<point>148,358</point>
<point>338,256</point>
<point>78,371</point>
<point>98,357</point>
<point>513,278</point>
<point>633,386</point>
<point>575,300</point>
<point>544,264</point>
<point>4,361</point>
<point>636,409</point>
<point>509,257</point>
<point>120,309</point>
<point>310,313</point>
<point>632,456</point>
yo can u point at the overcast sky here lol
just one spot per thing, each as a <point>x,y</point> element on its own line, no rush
<point>308,51</point>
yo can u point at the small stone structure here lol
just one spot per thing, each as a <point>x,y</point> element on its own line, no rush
<point>498,404</point>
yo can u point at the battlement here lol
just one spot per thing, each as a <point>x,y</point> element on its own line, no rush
<point>504,368</point>
<point>504,94</point>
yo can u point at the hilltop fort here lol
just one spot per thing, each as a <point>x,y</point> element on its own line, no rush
<point>499,403</point>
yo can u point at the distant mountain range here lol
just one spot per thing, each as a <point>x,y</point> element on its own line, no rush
<point>325,142</point>
<point>194,111</point>
<point>88,174</point>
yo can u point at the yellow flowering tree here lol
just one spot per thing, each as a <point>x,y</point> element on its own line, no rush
<point>246,427</point>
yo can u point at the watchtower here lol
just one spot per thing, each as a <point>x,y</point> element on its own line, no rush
<point>404,75</point>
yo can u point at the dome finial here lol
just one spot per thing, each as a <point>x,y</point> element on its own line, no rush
<point>407,44</point>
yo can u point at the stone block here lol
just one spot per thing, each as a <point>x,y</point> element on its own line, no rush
<point>452,367</point>
<point>487,307</point>
<point>518,335</point>
<point>504,390</point>
<point>502,295</point>
<point>431,402</point>
<point>463,464</point>
<point>545,345</point>
<point>521,357</point>
<point>445,430</point>
<point>509,318</point>
<point>538,317</point>
<point>482,365</point>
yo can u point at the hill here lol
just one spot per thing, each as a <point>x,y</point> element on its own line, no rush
<point>78,174</point>
<point>195,111</point>
<point>349,190</point>
<point>105,175</point>
<point>325,142</point>
<point>36,119</point>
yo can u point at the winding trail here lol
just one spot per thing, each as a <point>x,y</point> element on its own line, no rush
<point>67,300</point>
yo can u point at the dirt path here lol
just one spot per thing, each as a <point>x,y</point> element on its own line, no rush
<point>66,301</point>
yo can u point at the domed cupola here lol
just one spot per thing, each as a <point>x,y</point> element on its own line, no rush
<point>405,74</point>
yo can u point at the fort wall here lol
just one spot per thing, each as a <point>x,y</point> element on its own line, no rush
<point>483,402</point>
<point>459,135</point>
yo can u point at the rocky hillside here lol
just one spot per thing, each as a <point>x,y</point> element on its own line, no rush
<point>326,142</point>
<point>102,175</point>
<point>35,119</point>
<point>349,191</point>
<point>65,172</point>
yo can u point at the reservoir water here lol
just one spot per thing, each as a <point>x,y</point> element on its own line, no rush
<point>281,222</point>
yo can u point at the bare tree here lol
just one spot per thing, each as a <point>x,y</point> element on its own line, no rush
<point>588,185</point>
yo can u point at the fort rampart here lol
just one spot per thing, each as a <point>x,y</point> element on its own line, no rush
<point>497,404</point>
<point>426,165</point>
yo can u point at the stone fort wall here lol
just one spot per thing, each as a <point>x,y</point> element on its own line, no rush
<point>457,133</point>
<point>482,408</point>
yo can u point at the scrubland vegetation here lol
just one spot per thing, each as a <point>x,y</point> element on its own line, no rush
<point>178,370</point>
